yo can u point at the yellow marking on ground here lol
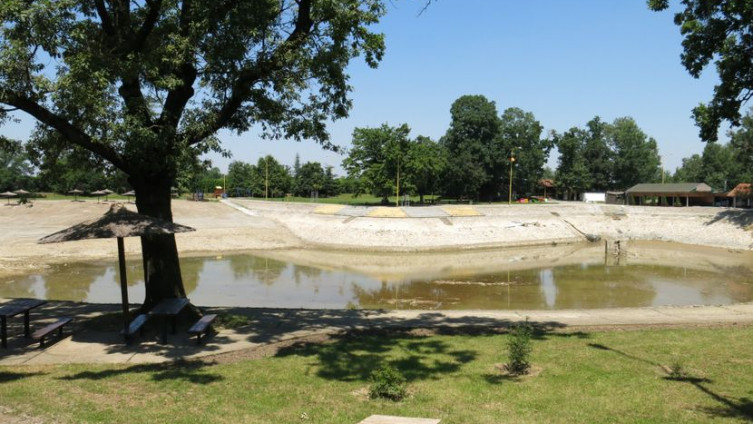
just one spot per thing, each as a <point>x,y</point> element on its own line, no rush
<point>329,209</point>
<point>381,212</point>
<point>461,210</point>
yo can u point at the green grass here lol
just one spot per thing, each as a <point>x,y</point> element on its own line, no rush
<point>597,377</point>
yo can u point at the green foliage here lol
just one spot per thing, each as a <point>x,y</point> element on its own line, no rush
<point>378,157</point>
<point>16,171</point>
<point>521,132</point>
<point>474,153</point>
<point>718,31</point>
<point>572,174</point>
<point>231,321</point>
<point>677,371</point>
<point>519,348</point>
<point>636,156</point>
<point>387,383</point>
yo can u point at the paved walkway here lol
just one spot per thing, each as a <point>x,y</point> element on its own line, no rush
<point>96,340</point>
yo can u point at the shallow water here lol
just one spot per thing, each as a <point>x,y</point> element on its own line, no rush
<point>549,277</point>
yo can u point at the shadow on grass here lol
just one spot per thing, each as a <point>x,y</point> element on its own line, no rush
<point>7,377</point>
<point>727,408</point>
<point>192,372</point>
<point>355,355</point>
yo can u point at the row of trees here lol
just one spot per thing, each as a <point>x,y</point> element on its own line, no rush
<point>482,150</point>
<point>471,161</point>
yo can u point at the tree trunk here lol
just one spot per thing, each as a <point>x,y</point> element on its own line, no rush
<point>162,275</point>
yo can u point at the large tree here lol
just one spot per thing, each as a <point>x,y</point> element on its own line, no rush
<point>474,151</point>
<point>719,31</point>
<point>636,156</point>
<point>378,157</point>
<point>521,132</point>
<point>146,84</point>
<point>572,176</point>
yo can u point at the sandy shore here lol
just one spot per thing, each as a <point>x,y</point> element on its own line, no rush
<point>273,226</point>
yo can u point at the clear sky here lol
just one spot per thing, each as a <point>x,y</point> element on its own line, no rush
<point>564,61</point>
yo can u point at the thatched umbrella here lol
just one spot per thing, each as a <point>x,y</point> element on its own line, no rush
<point>98,193</point>
<point>118,223</point>
<point>129,194</point>
<point>8,195</point>
<point>75,192</point>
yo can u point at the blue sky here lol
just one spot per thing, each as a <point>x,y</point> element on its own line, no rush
<point>564,61</point>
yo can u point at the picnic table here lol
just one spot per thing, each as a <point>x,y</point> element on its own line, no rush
<point>168,309</point>
<point>13,308</point>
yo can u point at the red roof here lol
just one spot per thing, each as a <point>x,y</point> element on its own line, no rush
<point>741,190</point>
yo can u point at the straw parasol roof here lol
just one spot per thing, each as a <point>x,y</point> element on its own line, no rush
<point>8,195</point>
<point>118,222</point>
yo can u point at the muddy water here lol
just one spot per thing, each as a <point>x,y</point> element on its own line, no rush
<point>547,277</point>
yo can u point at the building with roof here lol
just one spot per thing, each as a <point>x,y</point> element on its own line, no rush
<point>687,194</point>
<point>741,195</point>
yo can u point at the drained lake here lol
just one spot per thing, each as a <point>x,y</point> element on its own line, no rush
<point>545,277</point>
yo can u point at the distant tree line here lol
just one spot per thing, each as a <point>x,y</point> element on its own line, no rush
<point>474,160</point>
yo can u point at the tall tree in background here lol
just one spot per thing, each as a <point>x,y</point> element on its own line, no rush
<point>718,30</point>
<point>599,158</point>
<point>146,85</point>
<point>521,132</point>
<point>474,153</point>
<point>15,169</point>
<point>572,176</point>
<point>741,142</point>
<point>691,170</point>
<point>636,156</point>
<point>426,161</point>
<point>376,157</point>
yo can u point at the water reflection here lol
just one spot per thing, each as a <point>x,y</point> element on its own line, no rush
<point>553,278</point>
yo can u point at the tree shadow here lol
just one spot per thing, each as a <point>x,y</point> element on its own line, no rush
<point>353,356</point>
<point>188,371</point>
<point>740,218</point>
<point>7,377</point>
<point>728,407</point>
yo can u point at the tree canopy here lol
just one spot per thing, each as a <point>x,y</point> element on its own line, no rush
<point>719,31</point>
<point>146,84</point>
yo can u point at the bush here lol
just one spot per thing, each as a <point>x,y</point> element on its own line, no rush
<point>387,382</point>
<point>519,348</point>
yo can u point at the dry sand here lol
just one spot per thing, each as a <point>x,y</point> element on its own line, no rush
<point>282,227</point>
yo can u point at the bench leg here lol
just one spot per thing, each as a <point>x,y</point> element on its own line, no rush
<point>4,331</point>
<point>27,330</point>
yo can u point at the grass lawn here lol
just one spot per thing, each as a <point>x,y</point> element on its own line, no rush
<point>608,377</point>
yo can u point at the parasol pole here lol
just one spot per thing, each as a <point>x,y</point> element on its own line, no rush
<point>123,281</point>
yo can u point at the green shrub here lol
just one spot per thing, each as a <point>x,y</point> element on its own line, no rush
<point>519,348</point>
<point>677,371</point>
<point>387,382</point>
<point>231,321</point>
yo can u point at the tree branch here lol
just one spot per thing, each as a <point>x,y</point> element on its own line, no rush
<point>71,133</point>
<point>146,28</point>
<point>104,16</point>
<point>177,98</point>
<point>247,77</point>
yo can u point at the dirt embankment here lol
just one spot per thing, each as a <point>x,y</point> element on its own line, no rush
<point>272,225</point>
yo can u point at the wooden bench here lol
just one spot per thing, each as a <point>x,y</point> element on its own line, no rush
<point>45,331</point>
<point>136,326</point>
<point>202,326</point>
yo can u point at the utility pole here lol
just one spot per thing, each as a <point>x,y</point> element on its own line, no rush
<point>512,162</point>
<point>397,194</point>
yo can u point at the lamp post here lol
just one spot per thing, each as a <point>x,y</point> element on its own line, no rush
<point>512,162</point>
<point>266,177</point>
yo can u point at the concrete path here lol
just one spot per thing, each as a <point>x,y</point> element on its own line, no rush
<point>96,340</point>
